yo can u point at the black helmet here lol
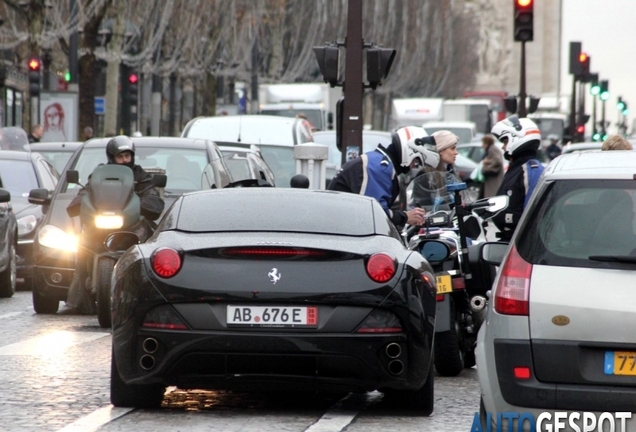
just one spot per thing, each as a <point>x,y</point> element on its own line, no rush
<point>119,144</point>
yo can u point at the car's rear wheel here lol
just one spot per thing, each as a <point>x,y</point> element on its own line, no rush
<point>449,358</point>
<point>104,273</point>
<point>132,396</point>
<point>417,402</point>
<point>8,276</point>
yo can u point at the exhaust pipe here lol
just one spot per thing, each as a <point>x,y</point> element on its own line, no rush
<point>147,362</point>
<point>478,303</point>
<point>393,350</point>
<point>396,367</point>
<point>150,345</point>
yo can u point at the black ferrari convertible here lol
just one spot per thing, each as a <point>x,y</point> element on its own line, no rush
<point>285,289</point>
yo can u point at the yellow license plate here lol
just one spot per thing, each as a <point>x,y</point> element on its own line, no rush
<point>444,284</point>
<point>620,363</point>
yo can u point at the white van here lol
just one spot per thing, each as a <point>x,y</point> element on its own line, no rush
<point>275,137</point>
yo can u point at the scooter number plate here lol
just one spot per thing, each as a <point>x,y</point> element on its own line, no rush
<point>444,284</point>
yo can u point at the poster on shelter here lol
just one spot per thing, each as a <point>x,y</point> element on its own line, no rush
<point>59,116</point>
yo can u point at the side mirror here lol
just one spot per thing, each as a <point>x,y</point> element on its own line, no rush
<point>72,176</point>
<point>493,253</point>
<point>39,196</point>
<point>498,203</point>
<point>5,196</point>
<point>120,241</point>
<point>435,251</point>
<point>159,180</point>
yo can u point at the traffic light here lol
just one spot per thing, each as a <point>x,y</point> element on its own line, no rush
<point>534,104</point>
<point>524,20</point>
<point>585,60</point>
<point>596,136</point>
<point>510,102</point>
<point>133,88</point>
<point>35,66</point>
<point>604,90</point>
<point>379,61</point>
<point>328,58</point>
<point>620,104</point>
<point>595,88</point>
<point>575,54</point>
<point>625,109</point>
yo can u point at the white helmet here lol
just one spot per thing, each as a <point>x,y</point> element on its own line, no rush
<point>413,142</point>
<point>520,134</point>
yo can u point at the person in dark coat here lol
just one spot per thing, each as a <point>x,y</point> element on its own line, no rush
<point>521,139</point>
<point>492,167</point>
<point>119,150</point>
<point>375,173</point>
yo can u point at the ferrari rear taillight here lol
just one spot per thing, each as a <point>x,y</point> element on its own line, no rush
<point>163,318</point>
<point>513,289</point>
<point>381,321</point>
<point>273,251</point>
<point>166,262</point>
<point>381,267</point>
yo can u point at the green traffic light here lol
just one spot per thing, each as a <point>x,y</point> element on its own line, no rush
<point>605,96</point>
<point>595,89</point>
<point>625,111</point>
<point>604,137</point>
<point>596,137</point>
<point>67,76</point>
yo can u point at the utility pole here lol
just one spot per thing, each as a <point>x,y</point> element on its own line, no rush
<point>112,70</point>
<point>522,84</point>
<point>353,83</point>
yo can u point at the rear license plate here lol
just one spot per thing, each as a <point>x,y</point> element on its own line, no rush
<point>279,316</point>
<point>444,284</point>
<point>620,363</point>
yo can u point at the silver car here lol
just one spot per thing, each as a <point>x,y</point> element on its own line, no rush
<point>559,333</point>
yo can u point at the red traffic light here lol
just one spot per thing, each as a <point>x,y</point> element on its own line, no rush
<point>34,64</point>
<point>133,78</point>
<point>582,57</point>
<point>524,3</point>
<point>580,129</point>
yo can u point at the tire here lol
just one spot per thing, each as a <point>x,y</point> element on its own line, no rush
<point>8,276</point>
<point>132,396</point>
<point>43,304</point>
<point>104,273</point>
<point>449,358</point>
<point>417,402</point>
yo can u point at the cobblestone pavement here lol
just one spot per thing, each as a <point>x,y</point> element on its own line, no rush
<point>54,376</point>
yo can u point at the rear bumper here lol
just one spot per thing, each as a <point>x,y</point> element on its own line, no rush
<point>233,360</point>
<point>532,393</point>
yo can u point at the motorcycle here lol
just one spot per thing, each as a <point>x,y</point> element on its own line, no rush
<point>110,207</point>
<point>450,240</point>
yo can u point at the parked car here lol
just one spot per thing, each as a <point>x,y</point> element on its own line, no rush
<point>370,141</point>
<point>247,165</point>
<point>8,246</point>
<point>581,147</point>
<point>275,137</point>
<point>58,153</point>
<point>22,171</point>
<point>314,290</point>
<point>555,337</point>
<point>189,164</point>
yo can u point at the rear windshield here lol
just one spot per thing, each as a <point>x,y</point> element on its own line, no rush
<point>281,210</point>
<point>576,219</point>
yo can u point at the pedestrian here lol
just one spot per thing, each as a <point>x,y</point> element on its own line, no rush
<point>521,139</point>
<point>120,150</point>
<point>553,150</point>
<point>88,133</point>
<point>375,173</point>
<point>36,133</point>
<point>492,167</point>
<point>616,142</point>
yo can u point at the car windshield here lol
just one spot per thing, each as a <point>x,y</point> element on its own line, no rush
<point>280,160</point>
<point>57,158</point>
<point>18,177</point>
<point>576,219</point>
<point>465,135</point>
<point>428,190</point>
<point>182,166</point>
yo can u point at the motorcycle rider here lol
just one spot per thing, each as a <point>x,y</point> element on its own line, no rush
<point>120,150</point>
<point>375,173</point>
<point>521,139</point>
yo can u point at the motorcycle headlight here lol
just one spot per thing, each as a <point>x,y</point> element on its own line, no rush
<point>54,238</point>
<point>26,224</point>
<point>105,221</point>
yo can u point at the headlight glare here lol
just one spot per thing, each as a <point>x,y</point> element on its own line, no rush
<point>105,221</point>
<point>53,237</point>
